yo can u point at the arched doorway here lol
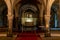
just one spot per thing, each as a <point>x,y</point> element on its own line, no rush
<point>28,17</point>
<point>3,14</point>
<point>34,8</point>
<point>54,15</point>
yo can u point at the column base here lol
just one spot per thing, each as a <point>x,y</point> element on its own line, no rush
<point>9,35</point>
<point>47,34</point>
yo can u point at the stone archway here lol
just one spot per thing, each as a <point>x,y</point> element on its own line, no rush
<point>55,10</point>
<point>3,14</point>
<point>40,5</point>
<point>26,21</point>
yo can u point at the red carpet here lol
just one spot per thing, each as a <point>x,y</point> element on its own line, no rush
<point>27,36</point>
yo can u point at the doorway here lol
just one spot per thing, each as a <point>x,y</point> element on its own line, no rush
<point>55,22</point>
<point>3,14</point>
<point>28,17</point>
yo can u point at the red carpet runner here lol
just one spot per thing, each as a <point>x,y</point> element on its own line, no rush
<point>27,36</point>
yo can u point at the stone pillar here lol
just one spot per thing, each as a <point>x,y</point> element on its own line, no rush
<point>47,17</point>
<point>16,8</point>
<point>41,9</point>
<point>10,17</point>
<point>16,16</point>
<point>10,20</point>
<point>41,14</point>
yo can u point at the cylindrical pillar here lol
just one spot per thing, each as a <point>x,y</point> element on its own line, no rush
<point>47,23</point>
<point>47,16</point>
<point>10,23</point>
<point>41,15</point>
<point>9,16</point>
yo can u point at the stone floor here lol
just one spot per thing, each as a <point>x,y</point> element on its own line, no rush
<point>51,38</point>
<point>44,38</point>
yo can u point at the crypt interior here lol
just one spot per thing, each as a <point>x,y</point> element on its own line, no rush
<point>29,15</point>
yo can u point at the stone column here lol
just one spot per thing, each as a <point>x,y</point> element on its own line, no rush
<point>41,14</point>
<point>40,6</point>
<point>41,9</point>
<point>16,8</point>
<point>10,20</point>
<point>47,17</point>
<point>10,17</point>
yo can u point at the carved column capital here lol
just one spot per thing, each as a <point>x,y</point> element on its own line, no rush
<point>47,20</point>
<point>47,17</point>
<point>10,17</point>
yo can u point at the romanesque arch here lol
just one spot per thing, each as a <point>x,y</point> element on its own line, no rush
<point>54,14</point>
<point>3,14</point>
<point>40,5</point>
